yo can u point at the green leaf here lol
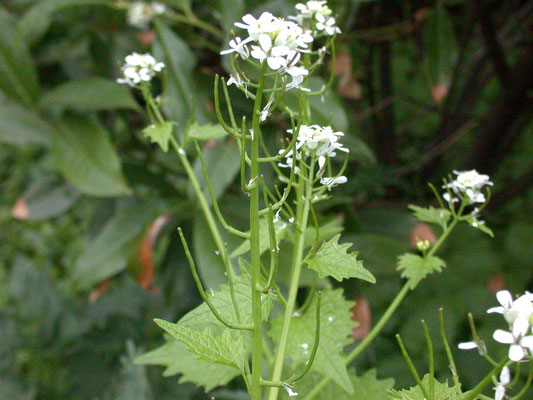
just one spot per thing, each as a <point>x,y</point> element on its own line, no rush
<point>207,346</point>
<point>335,327</point>
<point>326,231</point>
<point>202,317</point>
<point>432,215</point>
<point>281,229</point>
<point>206,132</point>
<point>86,158</point>
<point>480,225</point>
<point>333,259</point>
<point>135,384</point>
<point>36,21</point>
<point>440,46</point>
<point>160,133</point>
<point>223,163</point>
<point>174,356</point>
<point>416,268</point>
<point>89,94</point>
<point>20,126</point>
<point>442,391</point>
<point>19,76</point>
<point>180,88</point>
<point>107,253</point>
<point>366,387</point>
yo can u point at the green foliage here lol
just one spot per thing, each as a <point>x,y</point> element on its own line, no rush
<point>335,328</point>
<point>206,132</point>
<point>333,259</point>
<point>86,158</point>
<point>432,215</point>
<point>366,387</point>
<point>174,356</point>
<point>207,346</point>
<point>415,268</point>
<point>281,229</point>
<point>22,127</point>
<point>19,76</point>
<point>442,391</point>
<point>89,94</point>
<point>160,134</point>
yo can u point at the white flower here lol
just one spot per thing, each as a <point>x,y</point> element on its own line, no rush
<point>239,46</point>
<point>467,345</point>
<point>511,309</point>
<point>235,80</point>
<point>139,68</point>
<point>505,379</point>
<point>332,182</point>
<point>317,16</point>
<point>140,13</point>
<point>468,184</point>
<point>266,23</point>
<point>289,390</point>
<point>517,339</point>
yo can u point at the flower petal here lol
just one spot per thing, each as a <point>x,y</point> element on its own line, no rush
<point>503,336</point>
<point>516,352</point>
<point>504,298</point>
<point>467,345</point>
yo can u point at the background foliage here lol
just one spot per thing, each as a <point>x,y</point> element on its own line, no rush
<point>89,252</point>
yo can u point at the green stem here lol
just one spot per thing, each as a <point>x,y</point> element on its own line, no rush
<point>200,195</point>
<point>302,218</point>
<point>196,22</point>
<point>471,395</point>
<point>257,340</point>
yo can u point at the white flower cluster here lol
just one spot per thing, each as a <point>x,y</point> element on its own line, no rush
<point>275,40</point>
<point>140,13</point>
<point>518,314</point>
<point>467,185</point>
<point>318,15</point>
<point>139,68</point>
<point>321,142</point>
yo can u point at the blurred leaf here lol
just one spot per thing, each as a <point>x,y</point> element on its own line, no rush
<point>280,227</point>
<point>442,391</point>
<point>11,389</point>
<point>222,162</point>
<point>89,94</point>
<point>228,12</point>
<point>36,21</point>
<point>179,84</point>
<point>359,150</point>
<point>207,346</point>
<point>19,76</point>
<point>20,126</point>
<point>206,132</point>
<point>86,158</point>
<point>45,198</point>
<point>107,253</point>
<point>440,46</point>
<point>366,387</point>
<point>327,231</point>
<point>174,356</point>
<point>416,268</point>
<point>327,109</point>
<point>333,259</point>
<point>335,327</point>
<point>518,241</point>
<point>135,385</point>
<point>160,133</point>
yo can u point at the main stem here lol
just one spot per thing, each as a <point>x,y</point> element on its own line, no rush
<point>302,215</point>
<point>257,340</point>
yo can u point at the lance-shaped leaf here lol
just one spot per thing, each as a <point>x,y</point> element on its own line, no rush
<point>206,132</point>
<point>442,391</point>
<point>335,327</point>
<point>333,259</point>
<point>430,214</point>
<point>202,317</point>
<point>174,356</point>
<point>416,268</point>
<point>206,346</point>
<point>366,387</point>
<point>160,133</point>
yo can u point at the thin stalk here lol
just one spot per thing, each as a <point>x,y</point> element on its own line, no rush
<point>471,395</point>
<point>431,362</point>
<point>412,368</point>
<point>302,218</point>
<point>257,339</point>
<point>199,194</point>
<point>455,374</point>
